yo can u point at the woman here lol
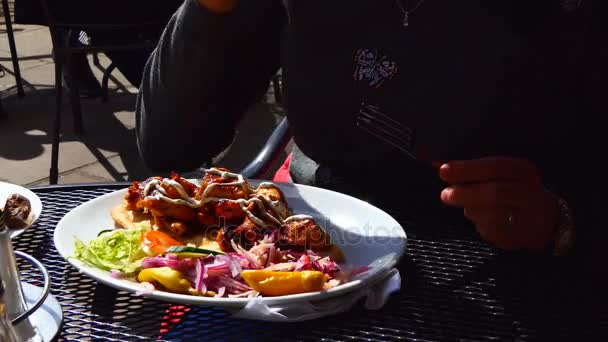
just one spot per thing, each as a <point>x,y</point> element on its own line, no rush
<point>491,90</point>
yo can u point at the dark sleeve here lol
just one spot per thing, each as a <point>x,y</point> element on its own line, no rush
<point>582,171</point>
<point>204,74</point>
<point>591,188</point>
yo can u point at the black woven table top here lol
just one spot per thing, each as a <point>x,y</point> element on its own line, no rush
<point>455,288</point>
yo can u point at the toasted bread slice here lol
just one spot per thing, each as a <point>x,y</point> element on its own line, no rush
<point>128,219</point>
<point>210,244</point>
<point>202,240</point>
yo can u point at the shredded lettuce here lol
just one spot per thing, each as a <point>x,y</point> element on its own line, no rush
<point>119,249</point>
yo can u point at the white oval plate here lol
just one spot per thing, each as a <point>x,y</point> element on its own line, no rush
<point>7,189</point>
<point>367,235</point>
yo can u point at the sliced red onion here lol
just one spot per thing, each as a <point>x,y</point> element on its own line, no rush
<point>236,269</point>
<point>326,265</point>
<point>241,261</point>
<point>303,263</point>
<point>209,258</point>
<point>232,263</point>
<point>116,274</point>
<point>221,291</point>
<point>248,294</point>
<point>291,255</point>
<point>232,283</point>
<point>225,265</point>
<point>217,270</point>
<point>331,284</point>
<point>251,258</point>
<point>271,255</point>
<point>312,253</point>
<point>182,265</point>
<point>282,267</point>
<point>199,285</point>
<point>270,238</point>
<point>316,265</point>
<point>198,267</point>
<point>216,263</point>
<point>147,289</point>
<point>260,249</point>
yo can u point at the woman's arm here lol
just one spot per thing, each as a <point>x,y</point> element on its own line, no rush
<point>206,71</point>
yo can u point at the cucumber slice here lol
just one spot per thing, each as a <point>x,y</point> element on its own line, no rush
<point>191,252</point>
<point>105,231</point>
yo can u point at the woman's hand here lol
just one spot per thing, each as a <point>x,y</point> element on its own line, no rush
<point>505,199</point>
<point>218,6</point>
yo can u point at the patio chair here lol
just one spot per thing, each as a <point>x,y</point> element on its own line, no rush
<point>13,47</point>
<point>2,112</point>
<point>270,153</point>
<point>61,52</point>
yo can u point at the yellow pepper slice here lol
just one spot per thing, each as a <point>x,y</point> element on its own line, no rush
<point>270,283</point>
<point>171,279</point>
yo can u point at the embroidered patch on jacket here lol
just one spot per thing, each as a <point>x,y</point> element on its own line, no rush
<point>571,5</point>
<point>373,68</point>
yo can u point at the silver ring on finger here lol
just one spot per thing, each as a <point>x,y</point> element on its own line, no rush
<point>510,219</point>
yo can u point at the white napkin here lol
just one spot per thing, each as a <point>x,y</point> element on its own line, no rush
<point>376,296</point>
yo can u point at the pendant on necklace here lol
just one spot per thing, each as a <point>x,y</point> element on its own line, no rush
<point>406,19</point>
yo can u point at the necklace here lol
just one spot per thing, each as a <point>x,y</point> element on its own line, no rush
<point>407,12</point>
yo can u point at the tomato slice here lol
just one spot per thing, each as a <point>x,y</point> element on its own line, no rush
<point>158,242</point>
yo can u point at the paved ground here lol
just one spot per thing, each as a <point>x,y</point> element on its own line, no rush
<point>107,152</point>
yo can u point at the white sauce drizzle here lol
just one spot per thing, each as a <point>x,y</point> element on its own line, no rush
<point>297,217</point>
<point>154,189</point>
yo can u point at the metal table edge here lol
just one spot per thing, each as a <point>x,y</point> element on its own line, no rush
<point>79,186</point>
